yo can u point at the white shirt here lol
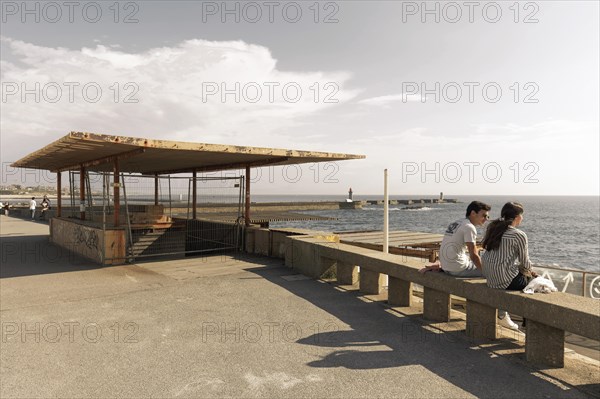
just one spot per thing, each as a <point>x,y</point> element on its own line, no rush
<point>32,205</point>
<point>454,256</point>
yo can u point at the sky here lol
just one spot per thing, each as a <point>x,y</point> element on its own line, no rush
<point>465,98</point>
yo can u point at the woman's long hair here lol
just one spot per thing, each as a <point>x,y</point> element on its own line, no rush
<point>497,228</point>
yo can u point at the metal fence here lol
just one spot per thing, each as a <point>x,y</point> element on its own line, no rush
<point>161,214</point>
<point>573,281</point>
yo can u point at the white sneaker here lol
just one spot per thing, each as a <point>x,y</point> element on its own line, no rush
<point>506,322</point>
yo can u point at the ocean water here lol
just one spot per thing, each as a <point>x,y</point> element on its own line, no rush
<point>563,231</point>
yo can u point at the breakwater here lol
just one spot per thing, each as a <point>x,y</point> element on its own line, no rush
<point>414,201</point>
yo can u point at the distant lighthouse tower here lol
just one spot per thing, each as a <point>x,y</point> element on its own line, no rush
<point>350,195</point>
<point>442,197</point>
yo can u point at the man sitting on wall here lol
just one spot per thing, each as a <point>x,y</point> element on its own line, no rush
<point>461,236</point>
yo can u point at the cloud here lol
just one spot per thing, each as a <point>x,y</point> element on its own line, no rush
<point>384,101</point>
<point>197,90</point>
<point>542,142</point>
<point>550,128</point>
<point>412,135</point>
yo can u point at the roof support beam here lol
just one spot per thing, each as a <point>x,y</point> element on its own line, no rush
<point>100,161</point>
<point>218,168</point>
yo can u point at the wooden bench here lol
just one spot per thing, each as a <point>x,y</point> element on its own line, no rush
<point>548,315</point>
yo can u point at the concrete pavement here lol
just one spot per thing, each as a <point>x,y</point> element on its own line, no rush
<point>222,326</point>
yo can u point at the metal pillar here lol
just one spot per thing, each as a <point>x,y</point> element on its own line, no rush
<point>194,194</point>
<point>155,189</point>
<point>117,197</point>
<point>58,194</point>
<point>247,202</point>
<point>386,214</point>
<point>82,193</point>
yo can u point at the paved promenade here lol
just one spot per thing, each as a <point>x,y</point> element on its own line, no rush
<point>221,326</point>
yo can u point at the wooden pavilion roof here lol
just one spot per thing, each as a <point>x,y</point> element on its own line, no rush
<point>97,152</point>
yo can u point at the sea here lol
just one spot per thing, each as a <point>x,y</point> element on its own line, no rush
<point>563,231</point>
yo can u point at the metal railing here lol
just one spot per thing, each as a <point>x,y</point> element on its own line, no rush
<point>578,282</point>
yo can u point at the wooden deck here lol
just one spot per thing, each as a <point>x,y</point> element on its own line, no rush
<point>409,243</point>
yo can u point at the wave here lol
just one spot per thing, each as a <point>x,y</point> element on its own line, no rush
<point>563,268</point>
<point>380,209</point>
<point>423,209</point>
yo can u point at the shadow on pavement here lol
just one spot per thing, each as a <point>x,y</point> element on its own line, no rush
<point>30,255</point>
<point>380,339</point>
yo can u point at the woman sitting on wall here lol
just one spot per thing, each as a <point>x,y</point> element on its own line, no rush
<point>505,262</point>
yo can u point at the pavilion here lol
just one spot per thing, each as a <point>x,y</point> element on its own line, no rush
<point>111,240</point>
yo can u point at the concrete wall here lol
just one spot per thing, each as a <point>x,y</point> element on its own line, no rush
<point>279,243</point>
<point>276,243</point>
<point>104,247</point>
<point>257,240</point>
<point>110,246</point>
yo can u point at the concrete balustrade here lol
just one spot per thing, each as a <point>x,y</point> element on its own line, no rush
<point>314,253</point>
<point>548,315</point>
<point>400,292</point>
<point>436,304</point>
<point>371,283</point>
<point>545,344</point>
<point>481,321</point>
<point>347,273</point>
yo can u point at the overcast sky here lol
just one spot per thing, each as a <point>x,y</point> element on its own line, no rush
<point>465,98</point>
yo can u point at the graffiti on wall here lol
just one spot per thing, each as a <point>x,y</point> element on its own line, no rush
<point>87,237</point>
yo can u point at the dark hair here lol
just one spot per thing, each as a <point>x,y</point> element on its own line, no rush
<point>477,206</point>
<point>497,228</point>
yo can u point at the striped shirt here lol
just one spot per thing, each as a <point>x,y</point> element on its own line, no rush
<point>503,264</point>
